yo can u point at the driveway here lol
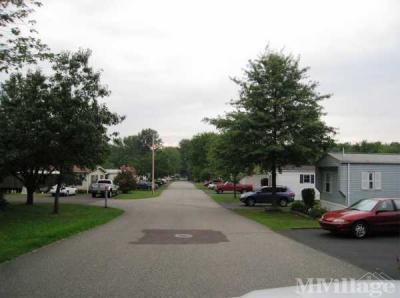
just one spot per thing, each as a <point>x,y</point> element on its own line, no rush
<point>374,254</point>
<point>181,244</point>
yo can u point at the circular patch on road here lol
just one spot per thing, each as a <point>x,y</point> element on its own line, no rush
<point>185,236</point>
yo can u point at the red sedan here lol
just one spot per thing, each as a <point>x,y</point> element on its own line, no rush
<point>363,217</point>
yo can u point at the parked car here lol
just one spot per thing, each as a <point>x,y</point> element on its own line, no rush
<point>64,190</point>
<point>229,186</point>
<point>211,183</point>
<point>145,185</point>
<point>363,217</point>
<point>264,195</point>
<point>104,187</point>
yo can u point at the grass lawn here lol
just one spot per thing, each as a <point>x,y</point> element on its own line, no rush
<point>279,220</point>
<point>276,220</point>
<point>35,195</point>
<point>142,194</point>
<point>219,198</point>
<point>24,228</point>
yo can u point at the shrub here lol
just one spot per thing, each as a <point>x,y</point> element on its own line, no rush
<point>299,207</point>
<point>126,181</point>
<point>308,195</point>
<point>316,212</point>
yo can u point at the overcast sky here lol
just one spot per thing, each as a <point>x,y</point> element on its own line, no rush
<point>168,63</point>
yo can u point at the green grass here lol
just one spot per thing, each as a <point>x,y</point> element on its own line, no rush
<point>24,228</point>
<point>142,194</point>
<point>276,220</point>
<point>279,220</point>
<point>35,195</point>
<point>219,198</point>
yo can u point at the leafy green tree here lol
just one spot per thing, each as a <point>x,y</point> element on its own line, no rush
<point>53,123</point>
<point>168,161</point>
<point>19,44</point>
<point>79,122</point>
<point>26,129</point>
<point>226,157</point>
<point>146,137</point>
<point>367,147</point>
<point>278,114</point>
<point>134,150</point>
<point>184,149</point>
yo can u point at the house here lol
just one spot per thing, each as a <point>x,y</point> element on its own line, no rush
<point>345,178</point>
<point>112,173</point>
<point>296,178</point>
<point>89,176</point>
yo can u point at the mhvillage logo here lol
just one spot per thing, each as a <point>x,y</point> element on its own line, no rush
<point>371,284</point>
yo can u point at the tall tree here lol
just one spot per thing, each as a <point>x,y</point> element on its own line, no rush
<point>26,129</point>
<point>184,148</point>
<point>198,155</point>
<point>279,113</point>
<point>79,121</point>
<point>19,44</point>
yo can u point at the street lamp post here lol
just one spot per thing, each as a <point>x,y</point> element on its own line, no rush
<point>153,165</point>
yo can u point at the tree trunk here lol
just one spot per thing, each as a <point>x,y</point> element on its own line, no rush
<point>234,187</point>
<point>29,195</point>
<point>273,173</point>
<point>57,194</point>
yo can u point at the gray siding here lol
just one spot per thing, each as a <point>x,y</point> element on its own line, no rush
<point>390,181</point>
<point>334,196</point>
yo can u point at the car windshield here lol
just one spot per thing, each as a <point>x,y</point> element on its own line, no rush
<point>364,205</point>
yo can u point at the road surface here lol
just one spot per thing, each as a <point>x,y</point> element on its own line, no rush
<point>181,244</point>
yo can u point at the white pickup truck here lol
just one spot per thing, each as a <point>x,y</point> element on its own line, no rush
<point>104,187</point>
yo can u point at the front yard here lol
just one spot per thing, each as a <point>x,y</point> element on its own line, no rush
<point>142,194</point>
<point>276,220</point>
<point>25,228</point>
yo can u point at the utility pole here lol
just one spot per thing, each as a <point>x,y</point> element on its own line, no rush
<point>153,165</point>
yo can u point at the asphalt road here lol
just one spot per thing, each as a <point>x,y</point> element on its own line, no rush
<point>181,244</point>
<point>377,253</point>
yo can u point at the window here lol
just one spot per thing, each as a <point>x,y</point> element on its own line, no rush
<point>307,178</point>
<point>371,180</point>
<point>328,182</point>
<point>385,206</point>
<point>397,203</point>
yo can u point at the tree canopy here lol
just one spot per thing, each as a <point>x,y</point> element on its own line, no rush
<point>53,122</point>
<point>19,44</point>
<point>278,114</point>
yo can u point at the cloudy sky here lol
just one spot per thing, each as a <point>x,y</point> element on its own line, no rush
<point>168,63</point>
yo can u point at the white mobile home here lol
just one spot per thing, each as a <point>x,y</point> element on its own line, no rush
<point>296,178</point>
<point>344,179</point>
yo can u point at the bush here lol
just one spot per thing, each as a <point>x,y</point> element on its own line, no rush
<point>308,195</point>
<point>299,207</point>
<point>316,212</point>
<point>126,181</point>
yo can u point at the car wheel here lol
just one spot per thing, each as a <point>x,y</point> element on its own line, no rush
<point>283,202</point>
<point>251,202</point>
<point>360,229</point>
<point>93,195</point>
